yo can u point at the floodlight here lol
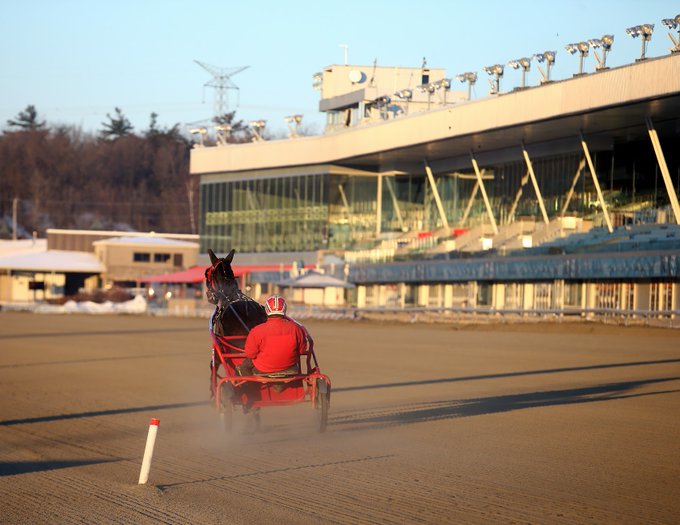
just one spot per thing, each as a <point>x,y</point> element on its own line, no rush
<point>470,77</point>
<point>643,31</point>
<point>405,94</point>
<point>582,49</point>
<point>524,64</point>
<point>293,125</point>
<point>549,58</point>
<point>606,44</point>
<point>317,81</point>
<point>294,119</point>
<point>497,71</point>
<point>222,132</point>
<point>201,132</point>
<point>257,126</point>
<point>673,23</point>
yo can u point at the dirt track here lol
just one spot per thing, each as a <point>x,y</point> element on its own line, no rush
<point>429,424</point>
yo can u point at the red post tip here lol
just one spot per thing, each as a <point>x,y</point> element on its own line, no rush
<point>155,422</point>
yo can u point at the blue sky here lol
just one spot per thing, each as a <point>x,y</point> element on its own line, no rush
<point>77,60</point>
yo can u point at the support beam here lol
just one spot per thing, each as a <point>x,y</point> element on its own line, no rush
<point>489,211</point>
<point>347,208</point>
<point>471,200</point>
<point>570,194</point>
<point>378,206</point>
<point>600,197</point>
<point>672,196</point>
<point>513,208</point>
<point>530,167</point>
<point>437,199</point>
<point>395,203</point>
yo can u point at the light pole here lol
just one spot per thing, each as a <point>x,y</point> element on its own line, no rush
<point>582,49</point>
<point>643,31</point>
<point>470,77</point>
<point>525,65</point>
<point>673,23</point>
<point>549,58</point>
<point>257,126</point>
<point>497,72</point>
<point>606,44</point>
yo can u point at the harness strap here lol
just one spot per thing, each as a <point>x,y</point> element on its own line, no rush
<point>231,307</point>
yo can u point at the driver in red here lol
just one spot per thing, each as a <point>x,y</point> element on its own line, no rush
<point>276,345</point>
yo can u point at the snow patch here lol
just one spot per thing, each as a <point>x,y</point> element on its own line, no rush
<point>134,306</point>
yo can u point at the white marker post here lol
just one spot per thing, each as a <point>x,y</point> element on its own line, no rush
<point>148,451</point>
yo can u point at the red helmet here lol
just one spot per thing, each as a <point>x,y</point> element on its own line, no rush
<point>275,305</point>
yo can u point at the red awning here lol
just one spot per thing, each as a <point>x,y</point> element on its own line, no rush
<point>196,274</point>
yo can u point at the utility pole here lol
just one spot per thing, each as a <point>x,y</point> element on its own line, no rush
<point>15,202</point>
<point>221,81</point>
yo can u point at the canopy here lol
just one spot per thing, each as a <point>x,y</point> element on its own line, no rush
<point>313,279</point>
<point>196,274</point>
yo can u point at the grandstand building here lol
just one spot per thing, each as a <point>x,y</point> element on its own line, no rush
<point>557,195</point>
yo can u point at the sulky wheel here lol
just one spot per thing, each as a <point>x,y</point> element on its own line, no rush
<point>322,402</point>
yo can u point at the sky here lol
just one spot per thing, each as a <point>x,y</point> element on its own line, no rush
<point>77,60</point>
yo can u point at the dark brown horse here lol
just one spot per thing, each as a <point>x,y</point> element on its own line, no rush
<point>235,313</point>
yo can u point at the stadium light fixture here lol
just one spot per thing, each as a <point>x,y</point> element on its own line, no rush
<point>497,72</point>
<point>404,94</point>
<point>382,103</point>
<point>470,77</point>
<point>582,49</point>
<point>201,132</point>
<point>606,44</point>
<point>549,58</point>
<point>222,132</point>
<point>294,122</point>
<point>525,65</point>
<point>673,23</point>
<point>643,31</point>
<point>257,126</point>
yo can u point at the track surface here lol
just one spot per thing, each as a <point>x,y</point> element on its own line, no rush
<point>429,424</point>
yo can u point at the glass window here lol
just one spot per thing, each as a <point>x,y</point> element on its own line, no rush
<point>141,257</point>
<point>161,257</point>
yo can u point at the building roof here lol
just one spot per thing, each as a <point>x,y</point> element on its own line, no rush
<point>57,261</point>
<point>22,246</point>
<point>314,279</point>
<point>605,106</point>
<point>196,274</point>
<point>146,241</point>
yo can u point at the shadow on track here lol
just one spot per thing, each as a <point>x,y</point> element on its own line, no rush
<point>34,335</point>
<point>97,413</point>
<point>502,375</point>
<point>11,468</point>
<point>97,359</point>
<point>433,411</point>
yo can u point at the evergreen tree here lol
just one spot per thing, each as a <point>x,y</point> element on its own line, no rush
<point>27,120</point>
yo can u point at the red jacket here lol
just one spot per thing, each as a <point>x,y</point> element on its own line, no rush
<point>277,344</point>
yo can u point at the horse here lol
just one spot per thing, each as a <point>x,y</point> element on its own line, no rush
<point>234,316</point>
<point>235,313</point>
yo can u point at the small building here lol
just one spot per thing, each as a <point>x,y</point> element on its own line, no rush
<point>129,259</point>
<point>315,289</point>
<point>29,272</point>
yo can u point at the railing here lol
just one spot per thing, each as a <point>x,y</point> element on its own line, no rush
<point>661,318</point>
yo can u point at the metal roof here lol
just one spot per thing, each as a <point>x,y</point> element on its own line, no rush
<point>607,106</point>
<point>575,267</point>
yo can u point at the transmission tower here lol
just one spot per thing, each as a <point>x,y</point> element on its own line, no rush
<point>222,82</point>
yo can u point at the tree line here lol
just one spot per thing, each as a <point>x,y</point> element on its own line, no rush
<point>62,177</point>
